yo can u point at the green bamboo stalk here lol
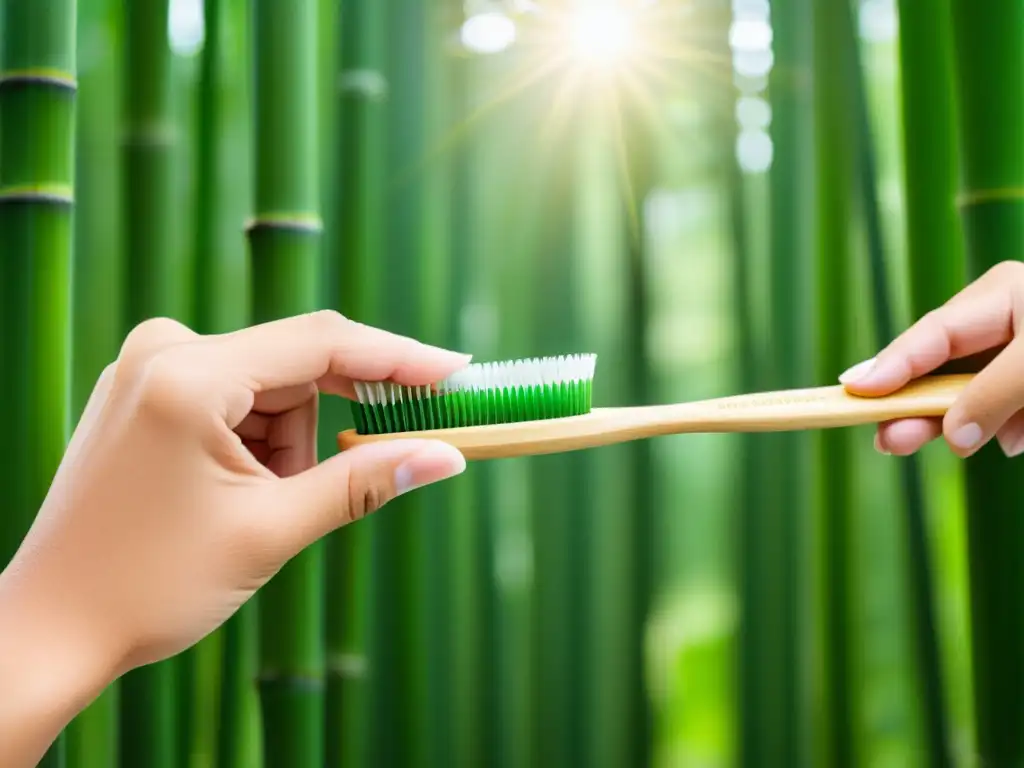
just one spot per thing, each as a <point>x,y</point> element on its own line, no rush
<point>37,127</point>
<point>990,83</point>
<point>404,634</point>
<point>447,503</point>
<point>284,245</point>
<point>753,461</point>
<point>474,682</point>
<point>37,97</point>
<point>238,738</point>
<point>223,281</point>
<point>356,238</point>
<point>602,274</point>
<point>501,191</point>
<point>468,582</point>
<point>922,589</point>
<point>217,697</point>
<point>157,278</point>
<point>833,141</point>
<point>562,535</point>
<point>641,174</point>
<point>774,541</point>
<point>97,304</point>
<point>222,272</point>
<point>156,286</point>
<point>930,156</point>
<point>936,270</point>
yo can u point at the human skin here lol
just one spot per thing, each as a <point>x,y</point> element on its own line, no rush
<point>191,479</point>
<point>983,320</point>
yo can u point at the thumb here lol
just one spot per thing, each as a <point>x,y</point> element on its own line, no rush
<point>988,402</point>
<point>351,485</point>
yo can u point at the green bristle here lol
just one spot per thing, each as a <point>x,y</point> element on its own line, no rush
<point>480,395</point>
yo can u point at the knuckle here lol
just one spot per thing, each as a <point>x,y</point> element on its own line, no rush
<point>169,384</point>
<point>933,318</point>
<point>329,321</point>
<point>150,330</point>
<point>145,340</point>
<point>1008,270</point>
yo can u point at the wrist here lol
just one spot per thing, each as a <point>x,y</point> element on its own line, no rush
<point>50,667</point>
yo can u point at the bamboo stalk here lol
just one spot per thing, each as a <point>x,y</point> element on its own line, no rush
<point>990,85</point>
<point>926,285</point>
<point>284,241</point>
<point>501,191</point>
<point>835,184</point>
<point>773,703</point>
<point>560,492</point>
<point>610,634</point>
<point>753,464</point>
<point>930,153</point>
<point>356,246</point>
<point>156,286</point>
<point>37,99</point>
<point>445,504</point>
<point>406,730</point>
<point>239,736</point>
<point>473,686</point>
<point>217,688</point>
<point>936,271</point>
<point>97,305</point>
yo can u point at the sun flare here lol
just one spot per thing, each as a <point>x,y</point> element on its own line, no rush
<point>601,36</point>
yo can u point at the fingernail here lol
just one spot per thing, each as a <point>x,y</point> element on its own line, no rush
<point>462,357</point>
<point>431,464</point>
<point>879,447</point>
<point>1012,446</point>
<point>857,372</point>
<point>966,437</point>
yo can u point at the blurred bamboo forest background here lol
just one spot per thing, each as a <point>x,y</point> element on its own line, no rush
<point>713,196</point>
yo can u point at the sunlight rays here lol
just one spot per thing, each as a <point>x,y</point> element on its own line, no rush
<point>616,61</point>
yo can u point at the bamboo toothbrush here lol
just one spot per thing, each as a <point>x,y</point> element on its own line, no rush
<point>543,405</point>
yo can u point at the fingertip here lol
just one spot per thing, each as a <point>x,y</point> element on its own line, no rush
<point>428,365</point>
<point>855,373</point>
<point>874,377</point>
<point>880,444</point>
<point>964,439</point>
<point>907,436</point>
<point>434,462</point>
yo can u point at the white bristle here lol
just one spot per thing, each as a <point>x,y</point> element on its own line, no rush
<point>478,377</point>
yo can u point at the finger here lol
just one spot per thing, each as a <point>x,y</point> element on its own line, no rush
<point>976,319</point>
<point>987,403</point>
<point>1011,435</point>
<point>280,400</point>
<point>906,436</point>
<point>292,440</point>
<point>259,450</point>
<point>255,426</point>
<point>306,348</point>
<point>353,484</point>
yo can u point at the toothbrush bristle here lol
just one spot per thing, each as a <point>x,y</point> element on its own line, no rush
<point>480,394</point>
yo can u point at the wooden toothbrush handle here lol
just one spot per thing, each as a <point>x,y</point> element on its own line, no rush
<point>819,407</point>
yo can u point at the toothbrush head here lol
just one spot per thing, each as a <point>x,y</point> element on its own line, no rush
<point>481,394</point>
